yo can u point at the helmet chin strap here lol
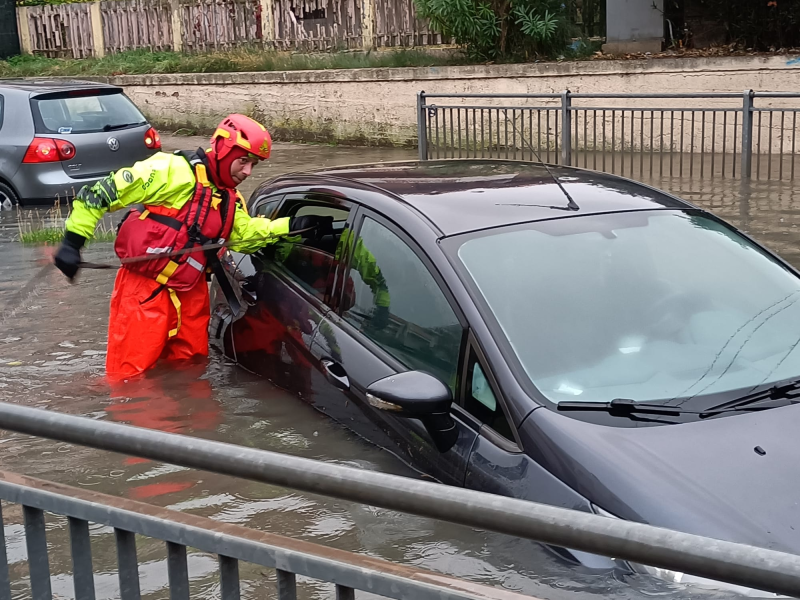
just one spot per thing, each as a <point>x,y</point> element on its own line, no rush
<point>217,162</point>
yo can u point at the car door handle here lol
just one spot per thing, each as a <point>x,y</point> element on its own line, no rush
<point>335,374</point>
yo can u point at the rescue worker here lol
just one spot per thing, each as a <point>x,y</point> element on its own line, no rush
<point>160,307</point>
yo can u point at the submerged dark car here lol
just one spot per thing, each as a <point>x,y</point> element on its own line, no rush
<point>576,339</point>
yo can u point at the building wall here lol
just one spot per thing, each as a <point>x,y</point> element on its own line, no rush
<point>634,26</point>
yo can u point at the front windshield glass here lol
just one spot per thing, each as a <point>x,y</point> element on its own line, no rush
<point>648,306</point>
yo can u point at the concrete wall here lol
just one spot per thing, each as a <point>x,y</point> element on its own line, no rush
<point>634,26</point>
<point>377,106</point>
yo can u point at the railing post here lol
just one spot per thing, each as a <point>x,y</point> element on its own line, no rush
<point>38,562</point>
<point>5,580</point>
<point>566,128</point>
<point>287,585</point>
<point>747,134</point>
<point>422,126</point>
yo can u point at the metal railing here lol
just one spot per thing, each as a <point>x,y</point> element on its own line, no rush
<point>748,135</point>
<point>725,561</point>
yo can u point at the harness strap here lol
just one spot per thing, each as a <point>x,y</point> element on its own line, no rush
<point>163,219</point>
<point>173,295</point>
<point>168,271</point>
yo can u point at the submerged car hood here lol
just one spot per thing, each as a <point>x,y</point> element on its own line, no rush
<point>705,478</point>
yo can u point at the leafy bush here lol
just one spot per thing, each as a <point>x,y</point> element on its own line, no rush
<point>500,29</point>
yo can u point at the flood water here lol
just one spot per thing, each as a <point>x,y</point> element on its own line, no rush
<point>52,350</point>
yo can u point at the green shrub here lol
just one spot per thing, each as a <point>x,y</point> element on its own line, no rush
<point>501,29</point>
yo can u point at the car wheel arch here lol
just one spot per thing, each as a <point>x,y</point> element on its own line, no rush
<point>10,186</point>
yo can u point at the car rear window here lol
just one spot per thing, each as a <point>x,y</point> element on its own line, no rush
<point>84,112</point>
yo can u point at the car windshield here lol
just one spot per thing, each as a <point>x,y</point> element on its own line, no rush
<point>649,306</point>
<point>84,113</point>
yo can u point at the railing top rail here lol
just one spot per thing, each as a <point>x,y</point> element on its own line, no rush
<point>676,96</point>
<point>705,557</point>
<point>242,543</point>
<point>776,94</point>
<point>621,96</point>
<point>552,96</point>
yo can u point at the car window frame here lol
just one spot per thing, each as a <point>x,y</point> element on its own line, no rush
<point>472,346</point>
<point>344,272</point>
<point>2,110</point>
<point>264,199</point>
<point>287,276</point>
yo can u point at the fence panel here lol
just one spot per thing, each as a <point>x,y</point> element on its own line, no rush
<point>396,25</point>
<point>61,31</point>
<point>299,25</point>
<point>219,24</point>
<point>317,25</point>
<point>192,535</point>
<point>488,129</point>
<point>635,135</point>
<point>134,24</point>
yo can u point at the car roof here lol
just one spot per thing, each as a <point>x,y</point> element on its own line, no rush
<point>458,196</point>
<point>42,85</point>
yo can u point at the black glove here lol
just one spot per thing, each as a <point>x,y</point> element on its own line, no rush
<point>322,225</point>
<point>68,257</point>
<point>380,317</point>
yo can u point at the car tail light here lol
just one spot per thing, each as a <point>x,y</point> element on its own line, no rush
<point>152,140</point>
<point>65,149</point>
<point>44,150</point>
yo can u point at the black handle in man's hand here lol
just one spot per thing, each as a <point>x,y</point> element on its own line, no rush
<point>322,225</point>
<point>68,258</point>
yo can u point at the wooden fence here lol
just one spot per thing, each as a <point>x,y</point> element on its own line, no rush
<point>317,25</point>
<point>219,24</point>
<point>134,24</point>
<point>63,30</point>
<point>396,24</point>
<point>108,26</point>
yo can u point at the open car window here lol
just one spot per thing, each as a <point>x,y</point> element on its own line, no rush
<point>308,260</point>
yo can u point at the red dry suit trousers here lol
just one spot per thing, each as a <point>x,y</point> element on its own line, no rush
<point>145,325</point>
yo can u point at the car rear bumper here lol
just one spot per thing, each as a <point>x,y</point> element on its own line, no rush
<point>46,183</point>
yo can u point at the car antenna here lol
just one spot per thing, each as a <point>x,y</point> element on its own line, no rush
<point>571,204</point>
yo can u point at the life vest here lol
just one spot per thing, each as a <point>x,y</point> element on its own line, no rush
<point>206,219</point>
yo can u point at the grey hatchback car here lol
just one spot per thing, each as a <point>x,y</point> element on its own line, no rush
<point>58,135</point>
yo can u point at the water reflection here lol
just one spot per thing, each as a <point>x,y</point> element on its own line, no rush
<point>52,353</point>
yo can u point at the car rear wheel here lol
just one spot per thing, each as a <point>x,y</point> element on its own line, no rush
<point>8,199</point>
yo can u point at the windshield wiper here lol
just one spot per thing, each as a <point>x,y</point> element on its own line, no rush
<point>780,395</point>
<point>110,127</point>
<point>624,406</point>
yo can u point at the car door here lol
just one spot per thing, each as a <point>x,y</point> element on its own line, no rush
<point>497,463</point>
<point>290,281</point>
<point>392,314</point>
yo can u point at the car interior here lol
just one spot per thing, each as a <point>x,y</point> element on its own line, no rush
<point>312,258</point>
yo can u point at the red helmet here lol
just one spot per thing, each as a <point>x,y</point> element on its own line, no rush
<point>238,131</point>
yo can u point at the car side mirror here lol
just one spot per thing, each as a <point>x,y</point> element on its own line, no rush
<point>418,395</point>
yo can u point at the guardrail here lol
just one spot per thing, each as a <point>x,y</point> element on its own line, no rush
<point>752,134</point>
<point>715,559</point>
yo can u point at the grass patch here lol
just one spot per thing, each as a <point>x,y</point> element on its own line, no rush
<point>47,227</point>
<point>142,62</point>
<point>53,235</point>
